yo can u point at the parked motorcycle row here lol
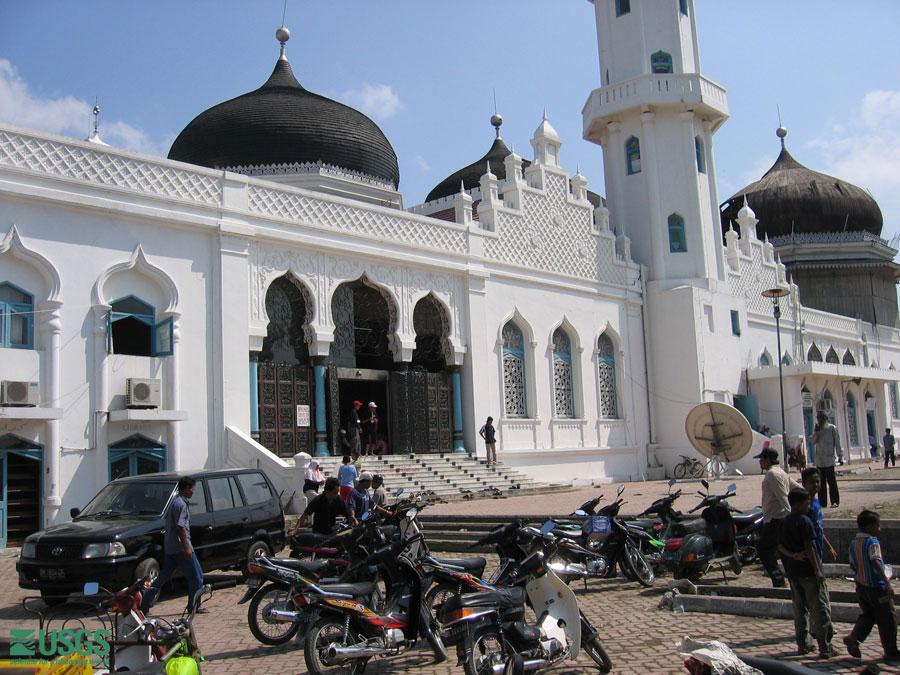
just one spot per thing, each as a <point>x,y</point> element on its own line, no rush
<point>376,591</point>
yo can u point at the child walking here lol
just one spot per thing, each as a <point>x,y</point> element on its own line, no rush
<point>873,589</point>
<point>809,594</point>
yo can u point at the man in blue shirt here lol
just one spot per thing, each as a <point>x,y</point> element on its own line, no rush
<point>360,501</point>
<point>811,479</point>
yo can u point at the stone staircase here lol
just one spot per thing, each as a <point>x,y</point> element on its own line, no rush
<point>449,476</point>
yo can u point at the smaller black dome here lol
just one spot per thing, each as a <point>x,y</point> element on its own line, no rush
<point>470,176</point>
<point>283,123</point>
<point>790,198</point>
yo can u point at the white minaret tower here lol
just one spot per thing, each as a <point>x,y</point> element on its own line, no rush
<point>655,116</point>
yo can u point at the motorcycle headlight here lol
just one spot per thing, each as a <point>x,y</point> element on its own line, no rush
<point>111,550</point>
<point>29,549</point>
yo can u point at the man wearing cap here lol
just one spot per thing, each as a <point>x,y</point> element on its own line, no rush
<point>371,430</point>
<point>353,427</point>
<point>827,442</point>
<point>360,501</point>
<point>775,487</point>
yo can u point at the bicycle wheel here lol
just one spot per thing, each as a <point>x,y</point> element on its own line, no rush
<point>680,471</point>
<point>697,469</point>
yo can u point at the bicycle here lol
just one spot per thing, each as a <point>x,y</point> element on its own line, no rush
<point>689,466</point>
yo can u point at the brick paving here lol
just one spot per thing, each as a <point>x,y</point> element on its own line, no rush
<point>639,638</point>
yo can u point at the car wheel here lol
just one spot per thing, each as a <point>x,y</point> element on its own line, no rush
<point>148,567</point>
<point>257,548</point>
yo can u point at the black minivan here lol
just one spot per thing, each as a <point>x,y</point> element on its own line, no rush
<point>118,536</point>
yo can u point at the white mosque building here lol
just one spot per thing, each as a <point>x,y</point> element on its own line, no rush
<point>225,306</point>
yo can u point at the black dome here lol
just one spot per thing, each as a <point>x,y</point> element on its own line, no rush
<point>471,175</point>
<point>283,123</point>
<point>790,198</point>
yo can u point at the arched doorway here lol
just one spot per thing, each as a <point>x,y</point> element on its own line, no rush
<point>20,482</point>
<point>284,377</point>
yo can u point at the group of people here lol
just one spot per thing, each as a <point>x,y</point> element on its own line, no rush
<point>794,528</point>
<point>363,434</point>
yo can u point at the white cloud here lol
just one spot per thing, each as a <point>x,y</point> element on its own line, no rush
<point>866,152</point>
<point>378,101</point>
<point>65,115</point>
<point>422,163</point>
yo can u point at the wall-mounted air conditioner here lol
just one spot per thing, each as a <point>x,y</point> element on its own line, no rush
<point>142,392</point>
<point>16,392</point>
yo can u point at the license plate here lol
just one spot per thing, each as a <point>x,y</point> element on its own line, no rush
<point>254,582</point>
<point>52,573</point>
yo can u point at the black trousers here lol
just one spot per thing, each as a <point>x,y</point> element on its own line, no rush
<point>829,482</point>
<point>877,610</point>
<point>768,550</point>
<point>889,455</point>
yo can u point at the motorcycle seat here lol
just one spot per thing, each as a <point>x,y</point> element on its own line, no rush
<point>646,524</point>
<point>746,517</point>
<point>474,566</point>
<point>504,597</point>
<point>316,568</point>
<point>357,590</point>
<point>686,527</point>
<point>310,539</point>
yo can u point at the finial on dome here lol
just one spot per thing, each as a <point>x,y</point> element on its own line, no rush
<point>545,113</point>
<point>781,132</point>
<point>95,131</point>
<point>282,35</point>
<point>497,120</point>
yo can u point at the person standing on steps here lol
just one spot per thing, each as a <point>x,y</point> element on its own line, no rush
<point>347,475</point>
<point>370,428</point>
<point>889,443</point>
<point>354,428</point>
<point>488,433</point>
<point>178,549</point>
<point>828,443</point>
<point>775,487</point>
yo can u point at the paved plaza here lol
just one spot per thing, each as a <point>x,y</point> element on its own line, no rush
<point>639,638</point>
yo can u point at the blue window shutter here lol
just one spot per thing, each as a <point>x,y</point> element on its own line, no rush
<point>163,344</point>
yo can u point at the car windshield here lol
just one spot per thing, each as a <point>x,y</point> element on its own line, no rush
<point>135,498</point>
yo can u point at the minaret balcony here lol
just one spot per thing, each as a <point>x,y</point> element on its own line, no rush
<point>682,92</point>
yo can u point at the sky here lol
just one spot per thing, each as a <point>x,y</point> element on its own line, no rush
<point>427,72</point>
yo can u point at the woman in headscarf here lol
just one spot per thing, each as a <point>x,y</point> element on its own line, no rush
<point>314,480</point>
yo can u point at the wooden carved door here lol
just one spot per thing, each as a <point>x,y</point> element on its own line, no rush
<point>283,388</point>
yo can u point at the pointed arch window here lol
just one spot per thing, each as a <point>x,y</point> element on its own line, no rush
<point>623,7</point>
<point>764,359</point>
<point>677,238</point>
<point>564,400</point>
<point>660,62</point>
<point>136,455</point>
<point>16,317</point>
<point>701,154</point>
<point>894,400</point>
<point>831,356</point>
<point>131,329</point>
<point>852,425</point>
<point>683,6</point>
<point>514,371</point>
<point>633,155</point>
<point>785,359</point>
<point>814,354</point>
<point>848,359</point>
<point>606,364</point>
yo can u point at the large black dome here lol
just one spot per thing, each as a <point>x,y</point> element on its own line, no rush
<point>790,198</point>
<point>283,123</point>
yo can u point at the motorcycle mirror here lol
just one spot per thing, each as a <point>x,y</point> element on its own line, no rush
<point>580,512</point>
<point>366,516</point>
<point>398,492</point>
<point>621,489</point>
<point>672,482</point>
<point>91,588</point>
<point>732,487</point>
<point>411,514</point>
<point>547,527</point>
<point>704,484</point>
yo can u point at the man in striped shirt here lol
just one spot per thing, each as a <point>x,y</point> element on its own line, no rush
<point>873,589</point>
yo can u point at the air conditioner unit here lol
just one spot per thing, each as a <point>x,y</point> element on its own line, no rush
<point>141,392</point>
<point>14,392</point>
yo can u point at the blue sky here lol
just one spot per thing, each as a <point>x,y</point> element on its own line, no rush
<point>426,72</point>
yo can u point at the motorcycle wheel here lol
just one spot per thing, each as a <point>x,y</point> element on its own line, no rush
<point>592,647</point>
<point>437,594</point>
<point>680,471</point>
<point>488,649</point>
<point>271,596</point>
<point>325,631</point>
<point>638,566</point>
<point>749,552</point>
<point>692,574</point>
<point>433,637</point>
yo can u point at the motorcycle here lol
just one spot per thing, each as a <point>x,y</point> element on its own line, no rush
<point>488,628</point>
<point>697,544</point>
<point>347,631</point>
<point>605,540</point>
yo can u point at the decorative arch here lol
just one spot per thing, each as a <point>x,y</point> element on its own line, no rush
<point>677,237</point>
<point>288,310</point>
<point>515,400</point>
<point>765,359</point>
<point>363,327</point>
<point>563,379</point>
<point>785,359</point>
<point>813,354</point>
<point>431,322</point>
<point>831,356</point>
<point>140,264</point>
<point>848,359</point>
<point>12,245</point>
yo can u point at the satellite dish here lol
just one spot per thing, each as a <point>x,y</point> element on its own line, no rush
<point>715,428</point>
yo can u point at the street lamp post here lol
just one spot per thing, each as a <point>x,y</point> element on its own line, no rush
<point>775,294</point>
